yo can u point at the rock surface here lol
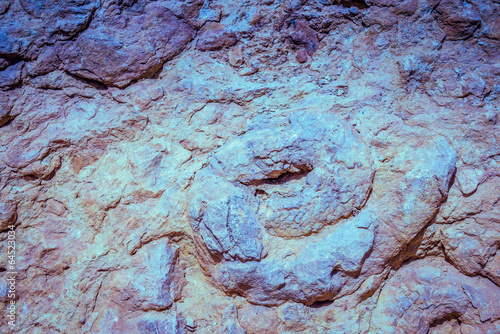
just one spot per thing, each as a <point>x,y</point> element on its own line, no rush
<point>250,167</point>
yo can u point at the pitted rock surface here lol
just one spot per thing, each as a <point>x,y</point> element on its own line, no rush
<point>432,293</point>
<point>230,218</point>
<point>260,166</point>
<point>305,171</point>
<point>146,38</point>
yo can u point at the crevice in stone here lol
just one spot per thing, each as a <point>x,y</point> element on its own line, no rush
<point>30,177</point>
<point>321,303</point>
<point>51,175</point>
<point>93,83</point>
<point>408,253</point>
<point>361,4</point>
<point>281,179</point>
<point>447,318</point>
<point>14,86</point>
<point>10,120</point>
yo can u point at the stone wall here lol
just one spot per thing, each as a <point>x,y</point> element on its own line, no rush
<point>264,166</point>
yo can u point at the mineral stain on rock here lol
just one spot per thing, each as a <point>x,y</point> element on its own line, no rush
<point>249,167</point>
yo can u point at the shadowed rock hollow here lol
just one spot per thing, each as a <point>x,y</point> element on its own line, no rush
<point>250,167</point>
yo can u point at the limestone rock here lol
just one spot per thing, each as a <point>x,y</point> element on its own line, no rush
<point>155,282</point>
<point>258,319</point>
<point>434,292</point>
<point>11,76</point>
<point>137,49</point>
<point>300,171</point>
<point>457,20</point>
<point>215,36</point>
<point>302,35</point>
<point>192,166</point>
<point>468,179</point>
<point>8,214</point>
<point>29,25</point>
<point>171,325</point>
<point>321,269</point>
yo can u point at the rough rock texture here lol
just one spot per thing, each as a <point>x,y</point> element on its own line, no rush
<point>269,166</point>
<point>133,44</point>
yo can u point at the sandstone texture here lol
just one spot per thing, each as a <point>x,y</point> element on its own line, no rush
<point>265,166</point>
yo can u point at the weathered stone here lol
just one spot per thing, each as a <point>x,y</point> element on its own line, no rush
<point>172,325</point>
<point>469,179</point>
<point>259,166</point>
<point>29,25</point>
<point>215,36</point>
<point>294,176</point>
<point>11,76</point>
<point>321,269</point>
<point>379,16</point>
<point>230,322</point>
<point>304,36</point>
<point>301,56</point>
<point>236,56</point>
<point>433,291</point>
<point>8,215</point>
<point>226,224</point>
<point>138,49</point>
<point>258,319</point>
<point>4,7</point>
<point>317,273</point>
<point>154,280</point>
<point>457,20</point>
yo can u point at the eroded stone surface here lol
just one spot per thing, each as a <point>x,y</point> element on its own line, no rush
<point>259,167</point>
<point>425,294</point>
<point>144,40</point>
<point>230,235</point>
<point>304,172</point>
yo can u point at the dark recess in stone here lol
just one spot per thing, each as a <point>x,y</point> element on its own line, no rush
<point>286,177</point>
<point>322,303</point>
<point>7,122</point>
<point>445,319</point>
<point>282,178</point>
<point>354,3</point>
<point>94,83</point>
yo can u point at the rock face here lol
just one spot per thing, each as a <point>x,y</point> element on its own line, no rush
<point>319,267</point>
<point>433,293</point>
<point>130,45</point>
<point>250,167</point>
<point>305,175</point>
